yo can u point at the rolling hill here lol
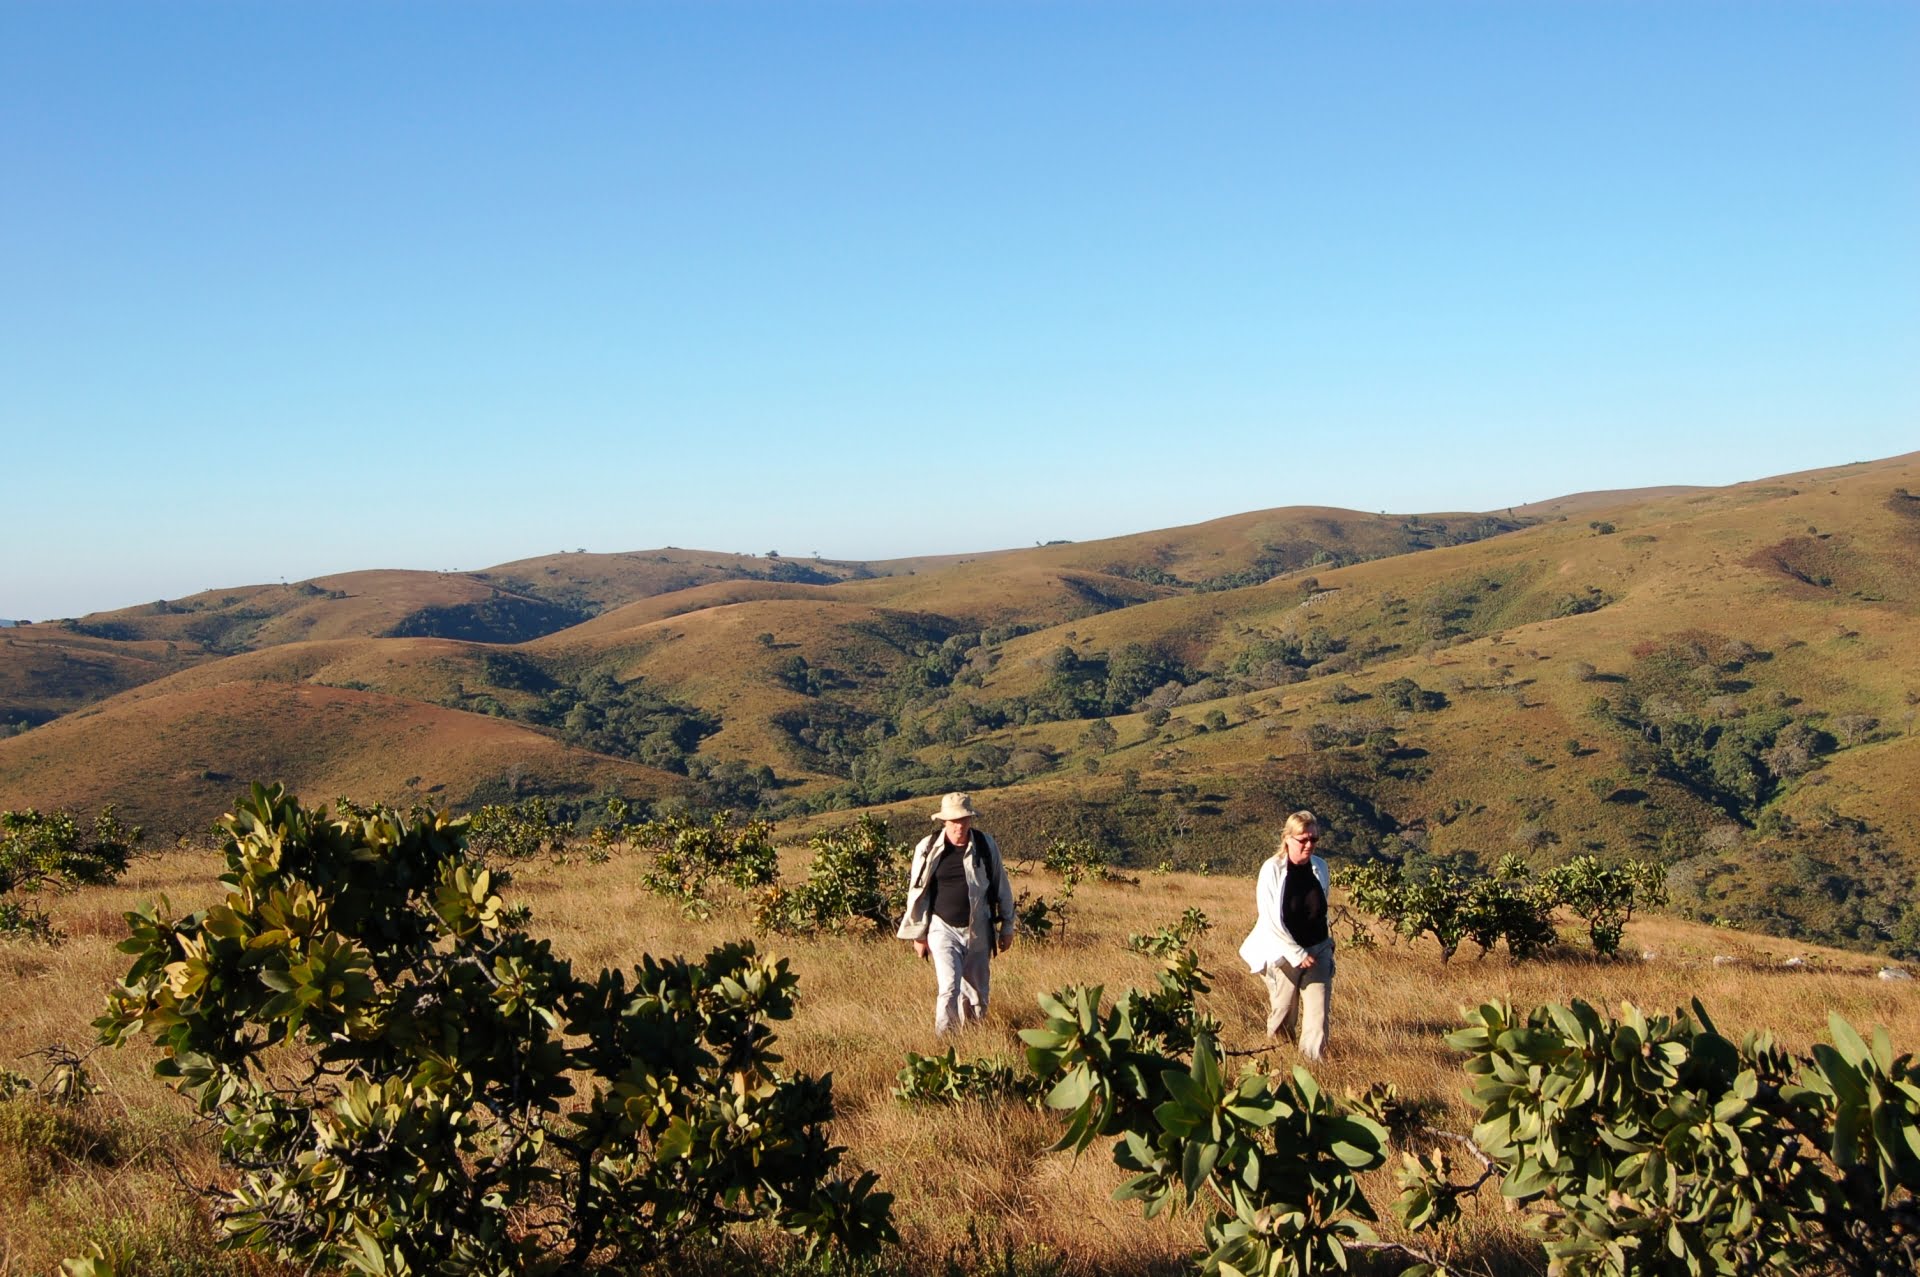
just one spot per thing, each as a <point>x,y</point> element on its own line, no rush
<point>1725,679</point>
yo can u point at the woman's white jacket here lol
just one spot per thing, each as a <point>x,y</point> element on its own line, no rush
<point>927,854</point>
<point>1269,941</point>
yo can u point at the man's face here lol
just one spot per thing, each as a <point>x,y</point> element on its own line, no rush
<point>958,831</point>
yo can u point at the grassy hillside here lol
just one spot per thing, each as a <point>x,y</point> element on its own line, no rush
<point>106,652</point>
<point>167,755</point>
<point>1725,679</point>
<point>978,1191</point>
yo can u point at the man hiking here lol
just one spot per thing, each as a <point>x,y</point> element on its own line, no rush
<point>959,911</point>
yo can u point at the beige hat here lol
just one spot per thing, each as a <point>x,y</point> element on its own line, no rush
<point>956,807</point>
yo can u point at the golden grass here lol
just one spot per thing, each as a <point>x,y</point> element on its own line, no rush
<point>977,1177</point>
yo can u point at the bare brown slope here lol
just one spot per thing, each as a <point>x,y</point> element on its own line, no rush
<point>347,605</point>
<point>599,581</point>
<point>1039,585</point>
<point>435,671</point>
<point>1584,503</point>
<point>553,591</point>
<point>1748,554</point>
<point>48,670</point>
<point>1267,542</point>
<point>643,612</point>
<point>174,759</point>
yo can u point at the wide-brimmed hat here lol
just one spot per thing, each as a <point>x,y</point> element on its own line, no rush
<point>956,807</point>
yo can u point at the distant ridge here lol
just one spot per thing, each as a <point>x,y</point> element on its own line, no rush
<point>1726,678</point>
<point>1602,499</point>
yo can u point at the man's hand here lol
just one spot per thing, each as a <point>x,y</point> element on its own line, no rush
<point>921,947</point>
<point>1006,942</point>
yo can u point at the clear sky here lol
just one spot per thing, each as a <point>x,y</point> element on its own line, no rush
<point>292,288</point>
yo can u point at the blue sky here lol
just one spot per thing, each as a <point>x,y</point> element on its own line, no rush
<point>296,288</point>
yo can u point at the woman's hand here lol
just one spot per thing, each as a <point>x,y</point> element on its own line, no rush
<point>1306,963</point>
<point>920,947</point>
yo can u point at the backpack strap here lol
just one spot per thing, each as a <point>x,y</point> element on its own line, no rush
<point>925,853</point>
<point>989,851</point>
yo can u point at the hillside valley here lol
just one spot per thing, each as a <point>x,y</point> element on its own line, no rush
<point>1724,679</point>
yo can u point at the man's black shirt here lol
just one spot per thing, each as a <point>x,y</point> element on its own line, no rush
<point>947,890</point>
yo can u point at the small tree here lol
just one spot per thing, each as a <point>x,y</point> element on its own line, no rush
<point>1605,896</point>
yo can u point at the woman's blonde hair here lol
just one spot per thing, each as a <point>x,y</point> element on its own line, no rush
<point>1299,823</point>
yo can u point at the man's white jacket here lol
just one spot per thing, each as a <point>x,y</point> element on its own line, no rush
<point>1269,941</point>
<point>980,878</point>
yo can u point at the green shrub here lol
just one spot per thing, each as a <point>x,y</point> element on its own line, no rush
<point>1605,896</point>
<point>687,854</point>
<point>467,1102</point>
<point>1170,940</point>
<point>41,853</point>
<point>1274,1165</point>
<point>513,830</point>
<point>1510,905</point>
<point>1075,859</point>
<point>1037,918</point>
<point>1453,906</point>
<point>1655,1145</point>
<point>857,880</point>
<point>946,1079</point>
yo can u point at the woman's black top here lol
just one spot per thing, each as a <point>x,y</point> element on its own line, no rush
<point>1303,908</point>
<point>947,893</point>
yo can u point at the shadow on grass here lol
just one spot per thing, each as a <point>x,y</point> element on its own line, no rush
<point>1494,1256</point>
<point>1490,1256</point>
<point>974,1256</point>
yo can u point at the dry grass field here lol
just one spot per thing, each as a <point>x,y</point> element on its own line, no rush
<point>977,1188</point>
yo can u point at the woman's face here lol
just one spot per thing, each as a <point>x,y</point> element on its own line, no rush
<point>1300,846</point>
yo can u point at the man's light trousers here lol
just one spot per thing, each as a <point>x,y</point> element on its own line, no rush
<point>962,968</point>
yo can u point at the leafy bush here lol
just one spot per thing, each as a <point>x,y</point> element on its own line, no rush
<point>1657,1146</point>
<point>47,853</point>
<point>1035,917</point>
<point>858,878</point>
<point>1404,693</point>
<point>1453,906</point>
<point>1170,940</point>
<point>1276,1163</point>
<point>1510,905</point>
<point>1592,600</point>
<point>946,1079</point>
<point>514,830</point>
<point>1604,896</point>
<point>1075,859</point>
<point>411,1083</point>
<point>686,854</point>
